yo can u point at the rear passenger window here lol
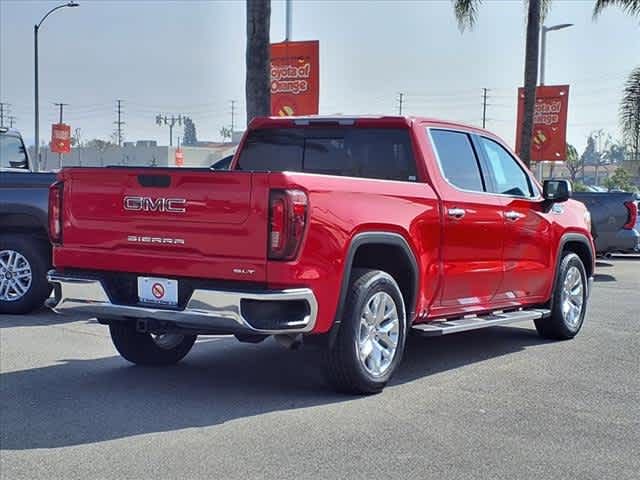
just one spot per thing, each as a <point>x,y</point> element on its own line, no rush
<point>508,176</point>
<point>344,151</point>
<point>272,150</point>
<point>458,161</point>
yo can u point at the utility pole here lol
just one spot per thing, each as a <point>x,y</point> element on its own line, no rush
<point>61,107</point>
<point>77,135</point>
<point>12,119</point>
<point>170,122</point>
<point>3,105</point>
<point>119,123</point>
<point>400,100</point>
<point>233,117</point>
<point>484,107</point>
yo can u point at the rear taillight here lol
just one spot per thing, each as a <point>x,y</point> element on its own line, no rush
<point>287,220</point>
<point>55,212</point>
<point>632,207</point>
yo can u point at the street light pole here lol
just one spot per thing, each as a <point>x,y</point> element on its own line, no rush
<point>543,61</point>
<point>36,89</point>
<point>288,20</point>
<point>36,99</point>
<point>543,45</point>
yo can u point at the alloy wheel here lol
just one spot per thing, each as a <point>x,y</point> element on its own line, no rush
<point>378,334</point>
<point>572,297</point>
<point>15,275</point>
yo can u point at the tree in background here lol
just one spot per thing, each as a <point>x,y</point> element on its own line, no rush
<point>189,137</point>
<point>632,7</point>
<point>100,145</point>
<point>617,153</point>
<point>630,104</point>
<point>225,133</point>
<point>598,151</point>
<point>620,180</point>
<point>466,12</point>
<point>573,162</point>
<point>258,82</point>
<point>630,112</point>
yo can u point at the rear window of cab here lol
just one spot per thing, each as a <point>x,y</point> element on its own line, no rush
<point>344,151</point>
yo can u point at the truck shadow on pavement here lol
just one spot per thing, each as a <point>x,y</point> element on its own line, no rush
<point>603,277</point>
<point>82,401</point>
<point>39,318</point>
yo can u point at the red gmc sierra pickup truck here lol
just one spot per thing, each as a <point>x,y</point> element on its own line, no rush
<point>346,233</point>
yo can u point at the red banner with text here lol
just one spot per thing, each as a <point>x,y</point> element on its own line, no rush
<point>60,138</point>
<point>295,82</point>
<point>549,142</point>
<point>179,157</point>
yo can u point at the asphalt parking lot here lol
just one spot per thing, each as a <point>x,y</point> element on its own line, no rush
<point>498,403</point>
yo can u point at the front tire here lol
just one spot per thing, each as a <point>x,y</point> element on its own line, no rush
<point>372,335</point>
<point>24,261</point>
<point>569,303</point>
<point>148,349</point>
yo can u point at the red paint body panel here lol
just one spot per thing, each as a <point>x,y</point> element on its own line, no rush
<point>479,263</point>
<point>222,229</point>
<point>342,207</point>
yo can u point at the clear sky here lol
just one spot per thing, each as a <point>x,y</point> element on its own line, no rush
<point>187,57</point>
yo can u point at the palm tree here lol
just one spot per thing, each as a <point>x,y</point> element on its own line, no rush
<point>257,85</point>
<point>466,12</point>
<point>630,112</point>
<point>632,7</point>
<point>630,103</point>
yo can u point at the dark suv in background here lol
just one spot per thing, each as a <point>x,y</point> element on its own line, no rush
<point>25,251</point>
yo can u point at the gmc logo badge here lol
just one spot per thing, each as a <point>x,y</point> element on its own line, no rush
<point>148,204</point>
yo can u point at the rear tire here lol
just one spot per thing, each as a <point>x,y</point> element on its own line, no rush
<point>569,303</point>
<point>24,261</point>
<point>372,335</point>
<point>147,349</point>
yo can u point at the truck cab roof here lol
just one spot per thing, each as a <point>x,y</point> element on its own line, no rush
<point>389,121</point>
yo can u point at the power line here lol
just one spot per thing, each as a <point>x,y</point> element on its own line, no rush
<point>3,105</point>
<point>170,122</point>
<point>119,123</point>
<point>484,107</point>
<point>233,118</point>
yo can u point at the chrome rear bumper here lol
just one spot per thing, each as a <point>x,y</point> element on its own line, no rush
<point>207,310</point>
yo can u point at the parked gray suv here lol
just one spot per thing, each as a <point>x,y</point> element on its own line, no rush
<point>25,251</point>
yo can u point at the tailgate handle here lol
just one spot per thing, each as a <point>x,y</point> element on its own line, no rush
<point>158,181</point>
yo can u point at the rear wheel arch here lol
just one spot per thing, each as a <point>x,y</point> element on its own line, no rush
<point>385,251</point>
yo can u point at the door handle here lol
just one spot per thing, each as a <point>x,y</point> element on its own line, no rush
<point>513,216</point>
<point>456,212</point>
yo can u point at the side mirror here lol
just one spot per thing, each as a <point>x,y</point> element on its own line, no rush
<point>556,191</point>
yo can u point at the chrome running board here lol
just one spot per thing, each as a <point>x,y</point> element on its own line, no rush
<point>444,327</point>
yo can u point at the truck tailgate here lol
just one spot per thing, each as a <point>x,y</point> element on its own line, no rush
<point>173,222</point>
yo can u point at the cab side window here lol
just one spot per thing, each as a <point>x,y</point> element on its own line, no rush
<point>507,175</point>
<point>458,161</point>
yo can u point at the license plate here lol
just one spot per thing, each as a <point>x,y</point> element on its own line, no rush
<point>158,290</point>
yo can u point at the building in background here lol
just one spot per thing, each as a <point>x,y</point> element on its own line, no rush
<point>143,153</point>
